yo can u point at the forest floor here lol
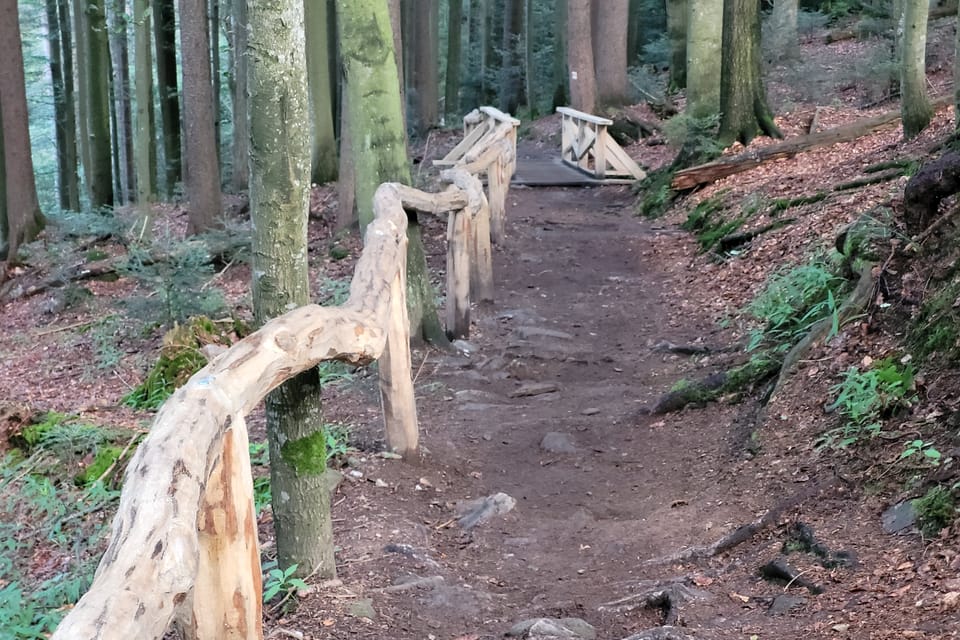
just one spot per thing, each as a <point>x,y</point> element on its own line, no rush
<point>604,505</point>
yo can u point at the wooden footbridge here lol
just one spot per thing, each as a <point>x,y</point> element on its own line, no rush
<point>588,153</point>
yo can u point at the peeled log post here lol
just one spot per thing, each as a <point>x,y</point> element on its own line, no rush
<point>481,254</point>
<point>226,600</point>
<point>497,187</point>
<point>147,575</point>
<point>458,274</point>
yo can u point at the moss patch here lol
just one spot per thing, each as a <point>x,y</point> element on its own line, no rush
<point>105,457</point>
<point>307,455</point>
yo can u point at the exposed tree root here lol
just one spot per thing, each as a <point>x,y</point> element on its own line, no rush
<point>735,380</point>
<point>745,532</point>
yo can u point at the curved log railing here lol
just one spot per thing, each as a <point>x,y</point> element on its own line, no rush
<point>183,546</point>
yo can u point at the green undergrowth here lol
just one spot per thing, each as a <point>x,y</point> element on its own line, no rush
<point>180,357</point>
<point>936,509</point>
<point>708,224</point>
<point>935,333</point>
<point>866,397</point>
<point>59,486</point>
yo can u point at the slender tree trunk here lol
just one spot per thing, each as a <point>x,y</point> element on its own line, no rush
<point>956,78</point>
<point>511,67</point>
<point>743,100</point>
<point>704,53</point>
<point>914,101</point>
<point>59,102</point>
<point>561,96</point>
<point>213,37</point>
<point>324,143</point>
<point>165,37</point>
<point>120,68</point>
<point>635,32</point>
<point>241,137</point>
<point>530,88</point>
<point>610,21</point>
<point>424,65</point>
<point>23,219</point>
<point>492,58</point>
<point>677,33</point>
<point>203,171</point>
<point>81,31</point>
<point>785,45</point>
<point>279,204</point>
<point>71,183</point>
<point>98,108</point>
<point>144,147</point>
<point>583,87</point>
<point>451,93</point>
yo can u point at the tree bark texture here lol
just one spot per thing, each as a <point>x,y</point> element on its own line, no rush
<point>786,44</point>
<point>511,66</point>
<point>424,87</point>
<point>704,53</point>
<point>324,142</point>
<point>59,102</point>
<point>279,204</point>
<point>98,105</point>
<point>166,45</point>
<point>560,93</point>
<point>203,169</point>
<point>743,100</point>
<point>914,100</point>
<point>23,217</point>
<point>583,85</point>
<point>610,21</point>
<point>120,68</point>
<point>80,30</point>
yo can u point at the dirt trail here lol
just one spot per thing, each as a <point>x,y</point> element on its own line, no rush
<point>585,293</point>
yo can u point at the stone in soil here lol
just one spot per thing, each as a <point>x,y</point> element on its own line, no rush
<point>556,442</point>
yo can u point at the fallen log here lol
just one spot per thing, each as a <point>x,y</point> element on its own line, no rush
<point>724,167</point>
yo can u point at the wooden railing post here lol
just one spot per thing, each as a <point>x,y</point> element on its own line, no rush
<point>227,593</point>
<point>458,273</point>
<point>497,181</point>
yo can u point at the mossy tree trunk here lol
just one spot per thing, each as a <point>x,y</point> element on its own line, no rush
<point>279,201</point>
<point>324,143</point>
<point>20,215</point>
<point>378,140</point>
<point>914,101</point>
<point>704,53</point>
<point>743,100</point>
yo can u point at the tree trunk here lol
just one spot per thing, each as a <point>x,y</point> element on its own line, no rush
<point>914,101</point>
<point>785,44</point>
<point>743,101</point>
<point>59,101</point>
<point>610,21</point>
<point>240,147</point>
<point>677,32</point>
<point>511,66</point>
<point>704,40</point>
<point>377,137</point>
<point>213,39</point>
<point>144,147</point>
<point>530,87</point>
<point>23,219</point>
<point>279,205</point>
<point>635,32</point>
<point>583,87</point>
<point>956,79</point>
<point>324,143</point>
<point>71,179</point>
<point>80,30</point>
<point>98,105</point>
<point>166,45</point>
<point>451,92</point>
<point>561,95</point>
<point>424,70</point>
<point>203,172</point>
<point>120,68</point>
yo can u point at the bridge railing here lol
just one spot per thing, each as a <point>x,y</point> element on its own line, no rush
<point>586,144</point>
<point>489,145</point>
<point>183,544</point>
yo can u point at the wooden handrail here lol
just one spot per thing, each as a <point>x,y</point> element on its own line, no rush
<point>586,145</point>
<point>586,117</point>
